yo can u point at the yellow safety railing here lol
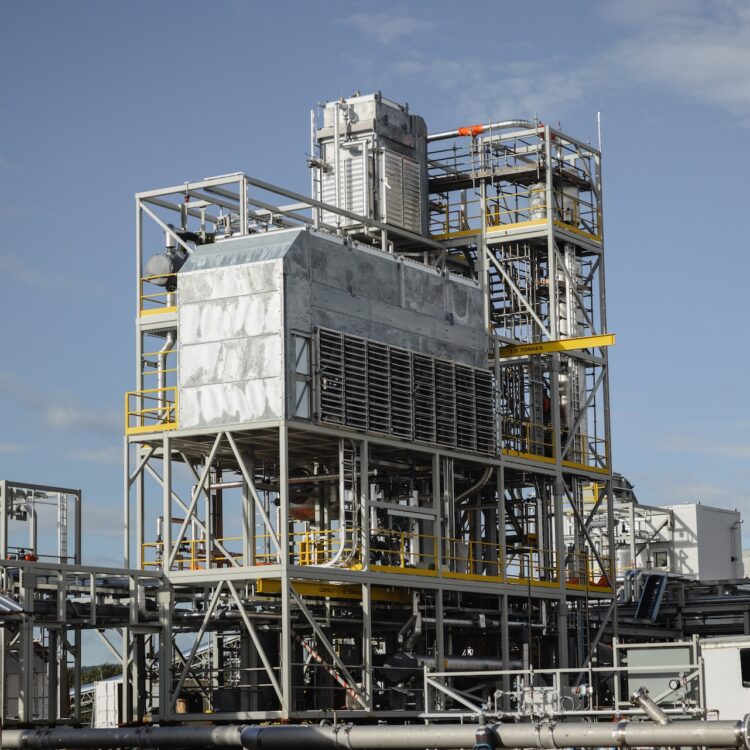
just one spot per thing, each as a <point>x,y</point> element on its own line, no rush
<point>517,209</point>
<point>399,552</point>
<point>584,572</point>
<point>473,558</point>
<point>156,302</point>
<point>151,410</point>
<point>528,439</point>
<point>192,554</point>
<point>405,550</point>
<point>529,564</point>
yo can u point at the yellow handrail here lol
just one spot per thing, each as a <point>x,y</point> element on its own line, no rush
<point>162,415</point>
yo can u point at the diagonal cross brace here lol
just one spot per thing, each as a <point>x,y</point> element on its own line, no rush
<point>251,485</point>
<point>328,647</point>
<point>200,487</point>
<point>258,645</point>
<point>198,638</point>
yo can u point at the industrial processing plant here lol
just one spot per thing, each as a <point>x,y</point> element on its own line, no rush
<point>369,496</point>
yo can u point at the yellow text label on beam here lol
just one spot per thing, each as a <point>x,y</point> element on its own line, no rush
<point>559,345</point>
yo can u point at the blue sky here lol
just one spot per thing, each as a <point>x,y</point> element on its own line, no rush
<point>101,99</point>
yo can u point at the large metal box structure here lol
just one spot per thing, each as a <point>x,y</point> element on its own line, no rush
<point>250,307</point>
<point>374,157</point>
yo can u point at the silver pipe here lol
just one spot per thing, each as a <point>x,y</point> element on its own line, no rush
<point>161,362</point>
<point>644,701</point>
<point>382,737</point>
<point>544,735</point>
<point>477,129</point>
<point>470,663</point>
<point>475,487</point>
<point>146,737</point>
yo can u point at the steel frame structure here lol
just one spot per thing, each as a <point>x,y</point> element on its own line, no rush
<point>285,594</point>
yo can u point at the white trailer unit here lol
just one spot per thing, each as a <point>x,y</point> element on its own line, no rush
<point>726,663</point>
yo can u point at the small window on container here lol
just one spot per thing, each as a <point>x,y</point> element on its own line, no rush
<point>661,559</point>
<point>745,666</point>
<point>302,377</point>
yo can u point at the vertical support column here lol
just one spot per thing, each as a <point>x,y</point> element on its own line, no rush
<point>26,649</point>
<point>501,552</point>
<point>77,523</point>
<point>364,504</point>
<point>166,526</point>
<point>286,611</point>
<point>3,651</point>
<point>53,676</point>
<point>367,644</point>
<point>505,644</point>
<point>483,260</point>
<point>439,644</point>
<point>126,502</point>
<point>166,652</point>
<point>248,514</point>
<point>437,507</point>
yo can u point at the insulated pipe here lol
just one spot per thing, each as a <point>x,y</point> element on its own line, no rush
<point>147,737</point>
<point>643,700</point>
<point>161,370</point>
<point>383,737</point>
<point>477,129</point>
<point>475,487</point>
<point>470,663</point>
<point>544,735</point>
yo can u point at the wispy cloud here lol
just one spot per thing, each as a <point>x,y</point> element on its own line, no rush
<point>387,28</point>
<point>62,411</point>
<point>705,445</point>
<point>105,454</point>
<point>36,275</point>
<point>13,447</point>
<point>699,51</point>
<point>481,90</point>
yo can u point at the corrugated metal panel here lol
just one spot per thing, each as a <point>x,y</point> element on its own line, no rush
<point>353,191</point>
<point>401,192</point>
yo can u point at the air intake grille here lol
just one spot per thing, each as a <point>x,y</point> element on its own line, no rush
<point>370,386</point>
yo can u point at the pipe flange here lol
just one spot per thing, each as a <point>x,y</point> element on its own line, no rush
<point>744,732</point>
<point>619,738</point>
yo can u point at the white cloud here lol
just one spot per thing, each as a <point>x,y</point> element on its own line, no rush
<point>705,445</point>
<point>480,90</point>
<point>699,51</point>
<point>13,447</point>
<point>62,411</point>
<point>387,28</point>
<point>106,454</point>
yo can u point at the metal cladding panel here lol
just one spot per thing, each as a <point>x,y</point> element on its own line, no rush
<point>231,361</point>
<point>230,335</point>
<point>383,298</point>
<point>231,403</point>
<point>232,317</point>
